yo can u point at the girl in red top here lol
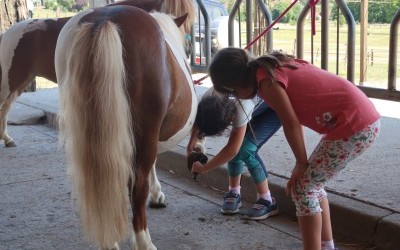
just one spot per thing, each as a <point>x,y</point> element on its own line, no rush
<point>304,95</point>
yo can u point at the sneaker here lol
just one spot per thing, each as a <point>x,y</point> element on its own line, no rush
<point>262,209</point>
<point>231,204</point>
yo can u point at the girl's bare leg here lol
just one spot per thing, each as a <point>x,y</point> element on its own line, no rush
<point>310,228</point>
<point>326,233</point>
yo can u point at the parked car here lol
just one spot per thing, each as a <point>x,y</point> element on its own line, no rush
<point>218,16</point>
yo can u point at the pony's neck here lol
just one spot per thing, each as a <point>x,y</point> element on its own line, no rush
<point>172,33</point>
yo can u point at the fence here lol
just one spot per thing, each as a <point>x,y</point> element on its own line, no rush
<point>333,48</point>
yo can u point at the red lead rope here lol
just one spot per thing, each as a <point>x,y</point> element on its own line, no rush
<point>312,4</point>
<point>272,24</point>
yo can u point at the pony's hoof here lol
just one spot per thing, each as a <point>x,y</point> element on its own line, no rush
<point>115,247</point>
<point>10,144</point>
<point>153,204</point>
<point>157,200</point>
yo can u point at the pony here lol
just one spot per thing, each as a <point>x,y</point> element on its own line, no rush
<point>126,95</point>
<point>27,50</point>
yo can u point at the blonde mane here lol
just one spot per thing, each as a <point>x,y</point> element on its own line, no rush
<point>179,8</point>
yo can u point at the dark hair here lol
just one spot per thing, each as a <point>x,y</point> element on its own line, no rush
<point>232,67</point>
<point>214,114</point>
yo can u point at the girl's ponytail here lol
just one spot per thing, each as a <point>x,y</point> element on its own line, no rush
<point>273,60</point>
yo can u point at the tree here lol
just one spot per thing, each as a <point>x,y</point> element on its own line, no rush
<point>292,15</point>
<point>228,4</point>
<point>378,11</point>
<point>18,12</point>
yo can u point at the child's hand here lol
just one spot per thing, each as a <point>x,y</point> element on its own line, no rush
<point>297,174</point>
<point>197,168</point>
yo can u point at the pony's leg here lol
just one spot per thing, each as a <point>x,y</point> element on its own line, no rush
<point>157,197</point>
<point>138,196</point>
<point>142,240</point>
<point>8,141</point>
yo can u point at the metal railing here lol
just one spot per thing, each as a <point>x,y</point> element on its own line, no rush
<point>388,93</point>
<point>201,65</point>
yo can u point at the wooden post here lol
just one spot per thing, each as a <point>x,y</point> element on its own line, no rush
<point>363,42</point>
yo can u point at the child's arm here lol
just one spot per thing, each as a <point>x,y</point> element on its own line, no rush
<point>226,154</point>
<point>193,139</point>
<point>277,97</point>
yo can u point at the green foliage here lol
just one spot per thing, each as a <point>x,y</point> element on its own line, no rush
<point>378,11</point>
<point>44,12</point>
<point>63,5</point>
<point>355,9</point>
<point>228,4</point>
<point>51,5</point>
<point>291,16</point>
<point>381,12</point>
<point>278,9</point>
<point>66,4</point>
<point>334,13</point>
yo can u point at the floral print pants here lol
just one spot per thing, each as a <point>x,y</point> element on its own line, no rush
<point>326,161</point>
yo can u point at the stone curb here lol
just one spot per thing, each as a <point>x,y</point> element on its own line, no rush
<point>351,219</point>
<point>21,114</point>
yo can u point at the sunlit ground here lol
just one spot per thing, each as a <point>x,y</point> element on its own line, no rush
<point>42,83</point>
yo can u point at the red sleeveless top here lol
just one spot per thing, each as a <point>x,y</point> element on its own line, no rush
<point>323,101</point>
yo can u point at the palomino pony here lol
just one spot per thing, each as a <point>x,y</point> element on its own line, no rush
<point>126,95</point>
<point>27,50</point>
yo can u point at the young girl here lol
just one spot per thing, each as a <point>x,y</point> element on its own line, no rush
<point>303,94</point>
<point>215,113</point>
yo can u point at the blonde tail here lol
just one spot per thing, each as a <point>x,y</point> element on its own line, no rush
<point>96,124</point>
